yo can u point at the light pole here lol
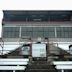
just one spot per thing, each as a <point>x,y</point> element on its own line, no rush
<point>1,45</point>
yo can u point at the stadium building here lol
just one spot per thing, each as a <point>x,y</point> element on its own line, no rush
<point>40,36</point>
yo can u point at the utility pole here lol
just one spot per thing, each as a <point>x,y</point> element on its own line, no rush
<point>1,45</point>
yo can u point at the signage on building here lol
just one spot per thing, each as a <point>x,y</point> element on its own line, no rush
<point>38,50</point>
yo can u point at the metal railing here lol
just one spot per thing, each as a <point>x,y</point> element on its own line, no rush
<point>51,55</point>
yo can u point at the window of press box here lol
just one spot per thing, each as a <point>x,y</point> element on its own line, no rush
<point>36,32</point>
<point>11,32</point>
<point>64,32</point>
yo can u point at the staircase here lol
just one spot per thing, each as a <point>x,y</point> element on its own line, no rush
<point>40,66</point>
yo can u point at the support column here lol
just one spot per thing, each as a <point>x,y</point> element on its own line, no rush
<point>62,70</point>
<point>30,57</point>
<point>13,70</point>
<point>55,33</point>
